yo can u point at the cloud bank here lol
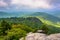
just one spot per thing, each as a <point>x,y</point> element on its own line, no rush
<point>29,4</point>
<point>3,4</point>
<point>33,3</point>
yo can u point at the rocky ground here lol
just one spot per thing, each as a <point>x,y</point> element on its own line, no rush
<point>41,36</point>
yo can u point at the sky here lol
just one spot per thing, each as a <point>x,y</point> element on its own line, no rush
<point>29,5</point>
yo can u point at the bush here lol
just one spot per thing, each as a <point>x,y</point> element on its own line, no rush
<point>15,34</point>
<point>24,27</point>
<point>45,28</point>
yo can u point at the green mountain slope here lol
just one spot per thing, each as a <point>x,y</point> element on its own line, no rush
<point>5,15</point>
<point>29,21</point>
<point>40,15</point>
<point>57,14</point>
<point>46,16</point>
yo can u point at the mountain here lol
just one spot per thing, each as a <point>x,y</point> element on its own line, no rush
<point>3,14</point>
<point>46,16</point>
<point>57,14</point>
<point>29,21</point>
<point>13,14</point>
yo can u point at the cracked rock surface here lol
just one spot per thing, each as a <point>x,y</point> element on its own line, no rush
<point>41,36</point>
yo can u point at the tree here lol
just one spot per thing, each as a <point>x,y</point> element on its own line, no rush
<point>44,28</point>
<point>5,26</point>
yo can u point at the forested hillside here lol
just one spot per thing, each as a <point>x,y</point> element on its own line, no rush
<point>13,28</point>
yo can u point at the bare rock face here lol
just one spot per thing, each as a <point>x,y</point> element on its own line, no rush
<point>35,36</point>
<point>54,37</point>
<point>41,36</point>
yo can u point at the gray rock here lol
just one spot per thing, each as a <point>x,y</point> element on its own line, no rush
<point>41,36</point>
<point>35,36</point>
<point>40,31</point>
<point>54,37</point>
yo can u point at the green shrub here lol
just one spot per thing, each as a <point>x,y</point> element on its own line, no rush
<point>45,28</point>
<point>24,27</point>
<point>15,34</point>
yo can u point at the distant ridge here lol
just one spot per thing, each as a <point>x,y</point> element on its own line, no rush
<point>46,16</point>
<point>57,15</point>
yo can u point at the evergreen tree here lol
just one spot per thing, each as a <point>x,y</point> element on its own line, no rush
<point>5,26</point>
<point>44,28</point>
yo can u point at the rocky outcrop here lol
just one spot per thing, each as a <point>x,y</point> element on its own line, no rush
<point>53,37</point>
<point>41,36</point>
<point>35,36</point>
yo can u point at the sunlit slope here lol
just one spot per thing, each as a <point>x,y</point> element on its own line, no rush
<point>57,24</point>
<point>52,22</point>
<point>46,16</point>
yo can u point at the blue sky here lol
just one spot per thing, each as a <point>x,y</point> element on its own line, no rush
<point>30,5</point>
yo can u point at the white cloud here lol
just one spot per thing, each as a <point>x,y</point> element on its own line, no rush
<point>33,3</point>
<point>3,4</point>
